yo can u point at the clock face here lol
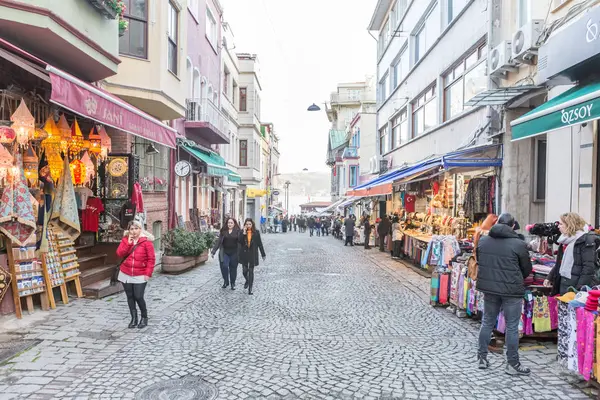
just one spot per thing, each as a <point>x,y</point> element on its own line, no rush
<point>183,168</point>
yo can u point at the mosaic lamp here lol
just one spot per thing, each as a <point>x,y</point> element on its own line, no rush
<point>78,172</point>
<point>30,165</point>
<point>6,162</point>
<point>95,141</point>
<point>76,142</point>
<point>106,143</point>
<point>52,143</point>
<point>90,170</point>
<point>23,124</point>
<point>7,135</point>
<point>55,162</point>
<point>65,133</point>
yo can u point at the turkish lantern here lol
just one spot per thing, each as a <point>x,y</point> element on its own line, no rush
<point>30,165</point>
<point>76,142</point>
<point>6,162</point>
<point>106,143</point>
<point>39,135</point>
<point>55,162</point>
<point>90,170</point>
<point>23,124</point>
<point>95,141</point>
<point>78,172</point>
<point>65,133</point>
<point>7,134</point>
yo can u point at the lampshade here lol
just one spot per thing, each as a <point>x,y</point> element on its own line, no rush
<point>95,141</point>
<point>23,124</point>
<point>65,133</point>
<point>6,161</point>
<point>30,166</point>
<point>76,142</point>
<point>55,162</point>
<point>106,143</point>
<point>7,134</point>
<point>39,135</point>
<point>90,170</point>
<point>78,172</point>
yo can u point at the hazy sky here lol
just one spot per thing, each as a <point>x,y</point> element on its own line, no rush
<point>304,48</point>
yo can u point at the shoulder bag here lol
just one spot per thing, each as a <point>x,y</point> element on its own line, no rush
<point>115,275</point>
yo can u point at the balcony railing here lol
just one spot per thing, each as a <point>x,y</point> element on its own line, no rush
<point>206,111</point>
<point>350,152</point>
<point>342,98</point>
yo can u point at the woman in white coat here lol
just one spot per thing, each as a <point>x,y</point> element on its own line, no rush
<point>397,236</point>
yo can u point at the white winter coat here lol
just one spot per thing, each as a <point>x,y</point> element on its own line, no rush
<point>397,233</point>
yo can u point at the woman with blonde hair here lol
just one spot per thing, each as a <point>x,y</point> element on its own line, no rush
<point>576,262</point>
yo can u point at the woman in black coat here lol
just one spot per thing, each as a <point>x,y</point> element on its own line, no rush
<point>250,244</point>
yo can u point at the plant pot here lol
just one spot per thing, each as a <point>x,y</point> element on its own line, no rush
<point>122,32</point>
<point>177,264</point>
<point>104,8</point>
<point>202,258</point>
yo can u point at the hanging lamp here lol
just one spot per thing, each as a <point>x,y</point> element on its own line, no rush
<point>65,133</point>
<point>7,135</point>
<point>23,124</point>
<point>76,142</point>
<point>95,141</point>
<point>30,165</point>
<point>6,162</point>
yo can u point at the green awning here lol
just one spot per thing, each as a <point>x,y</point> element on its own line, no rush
<point>575,106</point>
<point>233,177</point>
<point>215,164</point>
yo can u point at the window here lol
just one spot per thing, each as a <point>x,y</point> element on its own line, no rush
<point>523,12</point>
<point>540,169</point>
<point>424,112</point>
<point>193,7</point>
<point>465,80</point>
<point>455,7</point>
<point>384,143</point>
<point>353,175</point>
<point>400,68</point>
<point>226,76</point>
<point>135,40</point>
<point>355,142</point>
<point>172,38</point>
<point>154,168</point>
<point>399,10</point>
<point>384,37</point>
<point>400,133</point>
<point>243,153</point>
<point>211,28</point>
<point>428,33</point>
<point>256,104</point>
<point>243,99</point>
<point>383,89</point>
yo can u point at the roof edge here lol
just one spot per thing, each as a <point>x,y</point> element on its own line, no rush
<point>377,18</point>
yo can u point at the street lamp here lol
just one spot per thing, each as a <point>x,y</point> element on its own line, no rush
<point>287,195</point>
<point>314,107</point>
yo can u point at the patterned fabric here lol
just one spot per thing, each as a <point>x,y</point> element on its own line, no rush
<point>454,283</point>
<point>444,286</point>
<point>528,318</point>
<point>5,278</point>
<point>477,198</point>
<point>553,305</point>
<point>572,359</point>
<point>17,219</point>
<point>65,216</point>
<point>435,287</point>
<point>597,365</point>
<point>541,314</point>
<point>585,342</point>
<point>563,333</point>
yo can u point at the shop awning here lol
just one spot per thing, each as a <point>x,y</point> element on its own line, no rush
<point>215,164</point>
<point>502,96</point>
<point>349,201</point>
<point>234,177</point>
<point>575,106</point>
<point>334,206</point>
<point>90,101</point>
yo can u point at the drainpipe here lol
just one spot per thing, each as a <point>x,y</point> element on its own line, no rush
<point>494,13</point>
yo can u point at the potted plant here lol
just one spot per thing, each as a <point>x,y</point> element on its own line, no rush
<point>123,25</point>
<point>183,250</point>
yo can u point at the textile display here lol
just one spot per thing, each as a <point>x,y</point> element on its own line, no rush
<point>480,197</point>
<point>454,283</point>
<point>5,279</point>
<point>17,219</point>
<point>572,358</point>
<point>563,333</point>
<point>435,287</point>
<point>585,342</point>
<point>90,217</point>
<point>65,216</point>
<point>541,315</point>
<point>444,288</point>
<point>440,251</point>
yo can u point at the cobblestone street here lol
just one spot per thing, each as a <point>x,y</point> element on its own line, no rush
<point>326,322</point>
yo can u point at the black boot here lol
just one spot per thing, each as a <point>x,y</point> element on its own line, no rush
<point>232,286</point>
<point>143,323</point>
<point>250,290</point>
<point>225,285</point>
<point>246,285</point>
<point>134,319</point>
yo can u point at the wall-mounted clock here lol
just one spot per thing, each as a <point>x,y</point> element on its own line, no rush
<point>183,168</point>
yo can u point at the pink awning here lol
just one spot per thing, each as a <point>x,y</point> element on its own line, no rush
<point>105,108</point>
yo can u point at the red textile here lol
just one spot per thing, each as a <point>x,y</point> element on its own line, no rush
<point>141,262</point>
<point>136,197</point>
<point>91,215</point>
<point>409,203</point>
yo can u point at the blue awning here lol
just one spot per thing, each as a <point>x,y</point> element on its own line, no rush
<point>388,177</point>
<point>474,157</point>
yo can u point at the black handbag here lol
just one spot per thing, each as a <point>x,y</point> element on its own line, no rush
<point>115,275</point>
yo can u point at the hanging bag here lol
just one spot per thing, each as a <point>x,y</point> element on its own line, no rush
<point>115,275</point>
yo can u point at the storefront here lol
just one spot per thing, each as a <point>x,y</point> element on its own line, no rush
<point>72,176</point>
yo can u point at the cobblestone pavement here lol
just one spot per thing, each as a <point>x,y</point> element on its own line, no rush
<point>326,322</point>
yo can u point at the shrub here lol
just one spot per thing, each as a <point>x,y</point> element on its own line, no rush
<point>179,242</point>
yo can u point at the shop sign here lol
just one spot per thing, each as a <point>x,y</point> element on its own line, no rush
<point>570,46</point>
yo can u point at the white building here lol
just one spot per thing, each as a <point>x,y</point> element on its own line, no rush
<point>249,133</point>
<point>230,77</point>
<point>431,60</point>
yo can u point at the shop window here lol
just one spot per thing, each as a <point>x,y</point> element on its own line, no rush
<point>154,168</point>
<point>243,99</point>
<point>135,40</point>
<point>172,35</point>
<point>428,33</point>
<point>464,81</point>
<point>384,143</point>
<point>424,112</point>
<point>243,153</point>
<point>540,169</point>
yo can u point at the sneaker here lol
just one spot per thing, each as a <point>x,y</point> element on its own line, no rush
<point>483,363</point>
<point>517,369</point>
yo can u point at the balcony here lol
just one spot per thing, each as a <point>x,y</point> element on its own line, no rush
<point>350,152</point>
<point>69,34</point>
<point>228,108</point>
<point>205,122</point>
<point>348,98</point>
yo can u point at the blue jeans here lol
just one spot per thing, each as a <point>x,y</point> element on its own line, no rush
<point>229,268</point>
<point>512,307</point>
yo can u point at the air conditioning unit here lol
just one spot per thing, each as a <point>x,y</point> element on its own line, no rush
<point>499,62</point>
<point>525,41</point>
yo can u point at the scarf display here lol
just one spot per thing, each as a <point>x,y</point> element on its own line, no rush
<point>17,219</point>
<point>566,266</point>
<point>64,215</point>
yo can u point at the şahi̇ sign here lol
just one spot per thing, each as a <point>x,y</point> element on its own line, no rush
<point>107,109</point>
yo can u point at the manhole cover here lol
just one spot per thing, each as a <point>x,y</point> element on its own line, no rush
<point>11,348</point>
<point>179,389</point>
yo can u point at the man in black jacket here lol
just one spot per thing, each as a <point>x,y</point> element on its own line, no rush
<point>383,229</point>
<point>504,263</point>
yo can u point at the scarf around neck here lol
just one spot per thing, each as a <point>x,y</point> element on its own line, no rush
<point>566,265</point>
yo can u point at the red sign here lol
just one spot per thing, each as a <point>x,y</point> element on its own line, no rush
<point>101,106</point>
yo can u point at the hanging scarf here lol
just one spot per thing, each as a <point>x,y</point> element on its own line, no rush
<point>567,261</point>
<point>64,215</point>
